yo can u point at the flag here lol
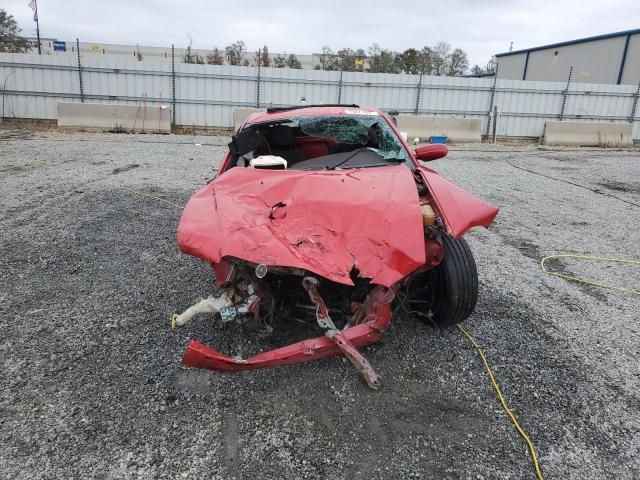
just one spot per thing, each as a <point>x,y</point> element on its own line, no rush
<point>35,16</point>
<point>33,6</point>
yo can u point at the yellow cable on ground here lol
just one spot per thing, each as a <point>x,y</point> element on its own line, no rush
<point>504,403</point>
<point>589,282</point>
<point>154,197</point>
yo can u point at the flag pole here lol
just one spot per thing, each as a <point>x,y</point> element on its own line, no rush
<point>38,28</point>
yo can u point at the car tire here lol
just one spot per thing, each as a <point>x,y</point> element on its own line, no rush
<point>454,284</point>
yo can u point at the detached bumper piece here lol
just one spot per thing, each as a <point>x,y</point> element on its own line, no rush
<point>371,320</point>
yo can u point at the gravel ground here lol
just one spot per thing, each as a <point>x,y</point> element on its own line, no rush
<point>91,381</point>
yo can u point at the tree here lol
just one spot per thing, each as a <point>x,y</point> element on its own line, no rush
<point>327,59</point>
<point>262,57</point>
<point>411,61</point>
<point>426,60</point>
<point>235,52</point>
<point>382,60</point>
<point>293,62</point>
<point>190,57</point>
<point>214,57</point>
<point>489,68</point>
<point>280,61</point>
<point>458,63</point>
<point>440,61</point>
<point>10,39</point>
<point>492,65</point>
<point>350,60</point>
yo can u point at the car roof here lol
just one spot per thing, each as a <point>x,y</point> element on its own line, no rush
<point>312,110</point>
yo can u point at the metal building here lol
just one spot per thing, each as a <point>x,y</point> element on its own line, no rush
<point>613,58</point>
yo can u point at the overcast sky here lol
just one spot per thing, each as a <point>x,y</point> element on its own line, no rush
<point>480,27</point>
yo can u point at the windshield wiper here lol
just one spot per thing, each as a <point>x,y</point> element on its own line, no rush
<point>355,152</point>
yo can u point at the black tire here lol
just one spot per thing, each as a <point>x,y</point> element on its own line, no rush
<point>455,284</point>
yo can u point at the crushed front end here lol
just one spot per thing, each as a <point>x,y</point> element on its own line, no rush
<point>264,299</point>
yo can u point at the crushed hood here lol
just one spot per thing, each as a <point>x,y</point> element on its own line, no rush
<point>326,222</point>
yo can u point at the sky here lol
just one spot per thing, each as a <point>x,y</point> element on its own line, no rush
<point>480,27</point>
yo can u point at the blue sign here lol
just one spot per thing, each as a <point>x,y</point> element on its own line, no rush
<point>59,46</point>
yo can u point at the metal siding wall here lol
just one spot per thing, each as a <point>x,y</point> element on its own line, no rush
<point>593,62</point>
<point>512,66</point>
<point>523,106</point>
<point>606,102</point>
<point>631,74</point>
<point>207,94</point>
<point>62,80</point>
<point>383,90</point>
<point>281,86</point>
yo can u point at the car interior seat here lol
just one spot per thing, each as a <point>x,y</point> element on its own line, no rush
<point>282,142</point>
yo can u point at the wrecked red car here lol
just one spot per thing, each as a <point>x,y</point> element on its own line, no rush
<point>323,214</point>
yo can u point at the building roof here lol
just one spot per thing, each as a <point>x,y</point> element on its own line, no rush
<point>571,42</point>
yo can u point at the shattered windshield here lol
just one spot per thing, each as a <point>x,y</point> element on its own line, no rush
<point>357,130</point>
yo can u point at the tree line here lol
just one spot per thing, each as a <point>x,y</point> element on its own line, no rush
<point>441,59</point>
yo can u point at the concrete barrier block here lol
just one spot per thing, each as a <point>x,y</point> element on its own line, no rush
<point>456,129</point>
<point>241,114</point>
<point>105,116</point>
<point>588,134</point>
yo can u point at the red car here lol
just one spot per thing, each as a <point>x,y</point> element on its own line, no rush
<point>324,214</point>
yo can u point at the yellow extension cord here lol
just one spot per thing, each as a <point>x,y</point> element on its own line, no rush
<point>571,278</point>
<point>589,282</point>
<point>521,431</point>
<point>148,195</point>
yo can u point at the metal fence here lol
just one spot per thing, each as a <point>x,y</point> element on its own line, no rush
<point>206,95</point>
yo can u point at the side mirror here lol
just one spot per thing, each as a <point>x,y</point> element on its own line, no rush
<point>433,151</point>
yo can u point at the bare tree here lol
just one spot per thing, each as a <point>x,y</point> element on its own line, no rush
<point>492,65</point>
<point>214,57</point>
<point>235,52</point>
<point>440,62</point>
<point>426,60</point>
<point>327,59</point>
<point>10,39</point>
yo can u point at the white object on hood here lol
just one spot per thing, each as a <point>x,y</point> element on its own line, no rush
<point>268,161</point>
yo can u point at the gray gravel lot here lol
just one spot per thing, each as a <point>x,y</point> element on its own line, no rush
<point>91,381</point>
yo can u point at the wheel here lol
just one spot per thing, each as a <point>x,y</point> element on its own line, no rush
<point>455,282</point>
<point>450,291</point>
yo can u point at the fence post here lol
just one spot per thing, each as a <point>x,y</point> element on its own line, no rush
<point>565,93</point>
<point>80,70</point>
<point>634,108</point>
<point>495,124</point>
<point>493,98</point>
<point>418,92</point>
<point>258,81</point>
<point>340,88</point>
<point>173,87</point>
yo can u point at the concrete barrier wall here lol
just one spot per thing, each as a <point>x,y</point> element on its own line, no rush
<point>105,116</point>
<point>241,114</point>
<point>457,129</point>
<point>588,134</point>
